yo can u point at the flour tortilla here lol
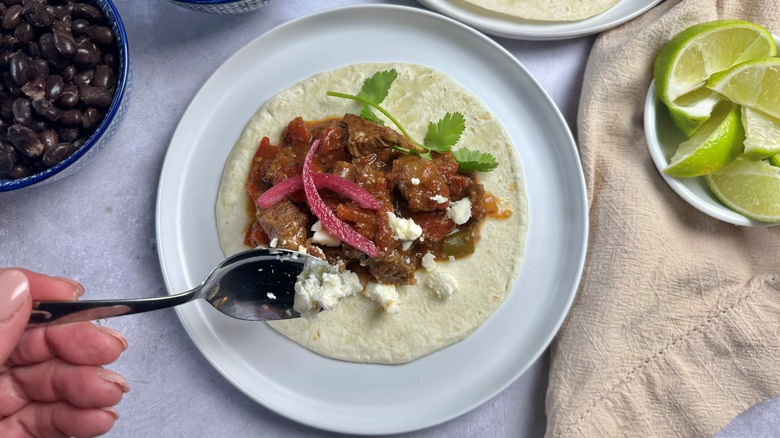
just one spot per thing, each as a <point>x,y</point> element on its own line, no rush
<point>547,10</point>
<point>359,330</point>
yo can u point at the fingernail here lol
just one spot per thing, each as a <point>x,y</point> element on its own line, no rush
<point>14,290</point>
<point>115,334</point>
<point>110,376</point>
<point>78,289</point>
<point>113,412</point>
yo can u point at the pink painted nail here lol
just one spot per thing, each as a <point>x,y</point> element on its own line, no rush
<point>14,291</point>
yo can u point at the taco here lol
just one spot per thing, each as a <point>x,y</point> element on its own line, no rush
<point>548,10</point>
<point>411,296</point>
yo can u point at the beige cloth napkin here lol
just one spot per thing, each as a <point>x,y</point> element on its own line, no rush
<point>676,326</point>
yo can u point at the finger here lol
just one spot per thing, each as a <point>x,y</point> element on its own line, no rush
<point>54,420</point>
<point>44,287</point>
<point>15,305</point>
<point>55,380</point>
<point>81,343</point>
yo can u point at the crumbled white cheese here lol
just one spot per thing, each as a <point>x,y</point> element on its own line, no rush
<point>439,199</point>
<point>273,242</point>
<point>322,236</point>
<point>321,287</point>
<point>270,296</point>
<point>443,283</point>
<point>384,294</point>
<point>415,181</point>
<point>459,211</point>
<point>403,229</point>
<point>429,261</point>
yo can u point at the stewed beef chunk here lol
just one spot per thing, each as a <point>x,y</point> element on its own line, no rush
<point>366,138</point>
<point>420,183</point>
<point>284,222</point>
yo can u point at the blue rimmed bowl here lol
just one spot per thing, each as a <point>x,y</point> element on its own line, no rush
<point>107,127</point>
<point>221,6</point>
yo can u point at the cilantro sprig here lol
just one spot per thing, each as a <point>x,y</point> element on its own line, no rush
<point>441,136</point>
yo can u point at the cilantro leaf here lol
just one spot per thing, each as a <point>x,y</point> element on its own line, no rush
<point>475,160</point>
<point>445,133</point>
<point>376,87</point>
<point>369,115</point>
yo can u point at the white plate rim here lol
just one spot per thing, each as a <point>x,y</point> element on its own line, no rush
<point>200,322</point>
<point>517,28</point>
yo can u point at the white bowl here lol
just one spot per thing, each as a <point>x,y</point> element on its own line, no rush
<point>662,140</point>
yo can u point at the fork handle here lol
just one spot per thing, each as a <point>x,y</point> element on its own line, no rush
<point>61,312</point>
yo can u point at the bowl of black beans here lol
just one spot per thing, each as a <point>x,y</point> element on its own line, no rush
<point>221,6</point>
<point>64,86</point>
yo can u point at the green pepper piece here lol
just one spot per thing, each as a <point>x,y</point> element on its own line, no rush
<point>458,244</point>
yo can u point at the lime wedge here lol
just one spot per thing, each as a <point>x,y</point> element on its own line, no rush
<point>718,142</point>
<point>762,134</point>
<point>754,84</point>
<point>686,62</point>
<point>751,188</point>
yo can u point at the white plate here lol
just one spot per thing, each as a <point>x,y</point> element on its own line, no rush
<point>512,27</point>
<point>360,398</point>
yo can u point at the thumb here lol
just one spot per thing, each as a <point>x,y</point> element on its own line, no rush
<point>15,305</point>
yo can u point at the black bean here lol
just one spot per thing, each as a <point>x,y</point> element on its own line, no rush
<point>32,49</point>
<point>13,16</point>
<point>21,69</point>
<point>48,137</point>
<point>49,52</point>
<point>104,77</point>
<point>46,109</point>
<point>68,133</point>
<point>91,117</point>
<point>63,39</point>
<point>7,108</point>
<point>100,34</point>
<point>10,85</point>
<point>38,124</point>
<point>87,53</point>
<point>96,96</point>
<point>35,89</point>
<point>22,111</point>
<point>24,32</point>
<point>71,117</point>
<point>88,12</point>
<point>58,153</point>
<point>54,85</point>
<point>25,141</point>
<point>84,77</point>
<point>8,42</point>
<point>110,60</point>
<point>20,171</point>
<point>79,27</point>
<point>38,15</point>
<point>69,97</point>
<point>41,67</point>
<point>12,2</point>
<point>68,73</point>
<point>7,158</point>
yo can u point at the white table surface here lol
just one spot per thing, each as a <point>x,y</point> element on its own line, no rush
<point>98,226</point>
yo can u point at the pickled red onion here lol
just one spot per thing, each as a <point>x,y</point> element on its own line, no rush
<point>337,184</point>
<point>333,224</point>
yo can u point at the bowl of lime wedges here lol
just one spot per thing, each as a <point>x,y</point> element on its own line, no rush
<point>712,132</point>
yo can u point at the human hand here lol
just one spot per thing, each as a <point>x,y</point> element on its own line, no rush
<point>52,383</point>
